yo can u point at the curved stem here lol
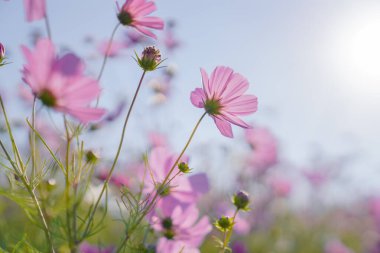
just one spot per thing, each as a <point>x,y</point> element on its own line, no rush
<point>47,25</point>
<point>116,158</point>
<point>166,180</point>
<point>107,52</point>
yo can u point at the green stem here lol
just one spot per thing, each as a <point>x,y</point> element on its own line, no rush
<point>33,138</point>
<point>107,51</point>
<point>25,182</point>
<point>47,25</point>
<point>227,236</point>
<point>91,217</point>
<point>67,179</point>
<point>157,194</point>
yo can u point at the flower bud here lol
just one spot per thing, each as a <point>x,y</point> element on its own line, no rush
<point>184,167</point>
<point>2,52</point>
<point>91,156</point>
<point>150,59</point>
<point>241,201</point>
<point>224,224</point>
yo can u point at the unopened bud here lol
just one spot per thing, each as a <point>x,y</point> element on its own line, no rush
<point>184,167</point>
<point>224,224</point>
<point>241,200</point>
<point>150,59</point>
<point>91,156</point>
<point>2,52</point>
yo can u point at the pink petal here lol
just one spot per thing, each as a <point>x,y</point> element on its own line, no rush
<point>236,87</point>
<point>206,82</point>
<point>199,183</point>
<point>145,9</point>
<point>151,22</point>
<point>219,80</point>
<point>81,91</point>
<point>69,65</point>
<point>198,97</point>
<point>145,31</point>
<point>224,127</point>
<point>234,119</point>
<point>243,105</point>
<point>85,115</point>
<point>34,9</point>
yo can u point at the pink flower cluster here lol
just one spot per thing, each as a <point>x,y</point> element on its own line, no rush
<point>176,217</point>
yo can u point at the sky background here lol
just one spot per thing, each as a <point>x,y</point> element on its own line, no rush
<point>314,66</point>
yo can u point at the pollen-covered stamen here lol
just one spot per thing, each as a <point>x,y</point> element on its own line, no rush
<point>47,98</point>
<point>125,18</point>
<point>212,107</point>
<point>151,53</point>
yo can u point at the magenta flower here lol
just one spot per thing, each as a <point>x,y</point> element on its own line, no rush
<point>59,82</point>
<point>222,98</point>
<point>182,188</point>
<point>35,9</point>
<point>180,227</point>
<point>134,13</point>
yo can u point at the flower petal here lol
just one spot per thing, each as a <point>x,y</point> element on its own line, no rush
<point>243,105</point>
<point>224,127</point>
<point>198,97</point>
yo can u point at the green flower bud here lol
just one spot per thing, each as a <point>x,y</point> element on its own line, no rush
<point>184,167</point>
<point>241,201</point>
<point>224,224</point>
<point>150,59</point>
<point>91,156</point>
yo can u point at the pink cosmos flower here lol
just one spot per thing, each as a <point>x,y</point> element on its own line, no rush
<point>35,9</point>
<point>182,188</point>
<point>222,98</point>
<point>264,148</point>
<point>59,82</point>
<point>180,227</point>
<point>134,13</point>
